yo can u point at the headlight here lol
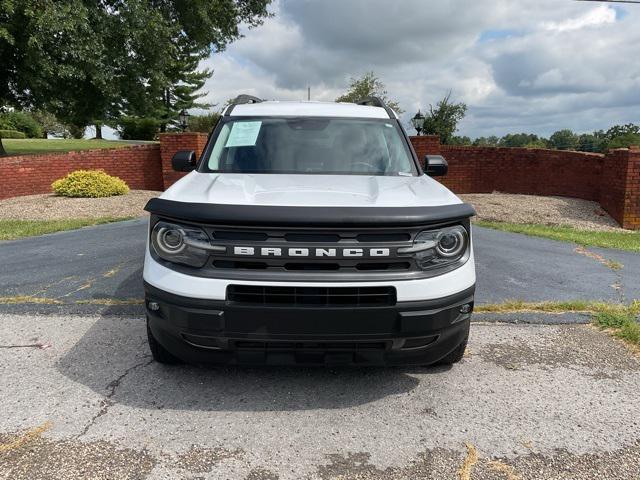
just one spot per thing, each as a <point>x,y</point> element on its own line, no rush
<point>438,248</point>
<point>181,244</point>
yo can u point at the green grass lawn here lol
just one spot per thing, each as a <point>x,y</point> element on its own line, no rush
<point>15,146</point>
<point>621,240</point>
<point>14,229</point>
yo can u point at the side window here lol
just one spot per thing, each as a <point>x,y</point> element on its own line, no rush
<point>396,150</point>
<point>216,152</point>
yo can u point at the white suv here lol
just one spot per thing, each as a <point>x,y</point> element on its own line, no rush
<point>308,233</point>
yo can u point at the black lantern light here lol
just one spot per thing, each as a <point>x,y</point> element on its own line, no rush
<point>418,122</point>
<point>183,117</point>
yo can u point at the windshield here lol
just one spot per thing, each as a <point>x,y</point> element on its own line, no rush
<point>346,146</point>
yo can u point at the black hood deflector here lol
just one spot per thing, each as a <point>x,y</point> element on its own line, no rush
<point>264,215</point>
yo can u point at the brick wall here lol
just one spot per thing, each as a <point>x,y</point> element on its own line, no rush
<point>139,166</point>
<point>170,143</point>
<point>611,179</point>
<point>521,170</point>
<point>620,194</point>
<point>426,145</point>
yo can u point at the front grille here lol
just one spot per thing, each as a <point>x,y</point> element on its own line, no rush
<point>308,266</point>
<point>312,296</point>
<point>311,241</point>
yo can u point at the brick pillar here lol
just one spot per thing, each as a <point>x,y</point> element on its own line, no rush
<point>620,191</point>
<point>170,143</point>
<point>426,145</point>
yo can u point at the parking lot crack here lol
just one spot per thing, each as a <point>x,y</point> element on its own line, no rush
<point>107,401</point>
<point>607,262</point>
<point>41,346</point>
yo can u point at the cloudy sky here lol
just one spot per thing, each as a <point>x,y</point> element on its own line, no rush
<point>526,65</point>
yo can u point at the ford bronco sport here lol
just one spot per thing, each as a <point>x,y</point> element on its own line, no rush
<point>308,233</point>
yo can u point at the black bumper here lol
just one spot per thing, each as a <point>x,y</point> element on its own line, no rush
<point>222,332</point>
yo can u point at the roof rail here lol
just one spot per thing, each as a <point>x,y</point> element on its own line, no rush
<point>240,100</point>
<point>377,102</point>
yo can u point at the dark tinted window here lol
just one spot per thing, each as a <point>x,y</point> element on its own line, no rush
<point>310,145</point>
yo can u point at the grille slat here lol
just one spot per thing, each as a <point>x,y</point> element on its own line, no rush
<point>311,296</point>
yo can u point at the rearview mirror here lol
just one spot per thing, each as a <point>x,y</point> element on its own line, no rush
<point>435,165</point>
<point>184,161</point>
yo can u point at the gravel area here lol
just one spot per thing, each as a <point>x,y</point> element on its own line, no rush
<point>573,212</point>
<point>52,207</point>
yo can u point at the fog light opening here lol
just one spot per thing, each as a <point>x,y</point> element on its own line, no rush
<point>153,306</point>
<point>466,308</point>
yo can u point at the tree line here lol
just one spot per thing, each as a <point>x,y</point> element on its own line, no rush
<point>600,141</point>
<point>132,64</point>
<point>442,119</point>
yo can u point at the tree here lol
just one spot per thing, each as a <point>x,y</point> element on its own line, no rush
<point>443,120</point>
<point>625,141</point>
<point>183,88</point>
<point>592,142</point>
<point>57,59</point>
<point>539,143</point>
<point>50,124</point>
<point>491,141</point>
<point>564,140</point>
<point>88,62</point>
<point>519,140</point>
<point>619,130</point>
<point>203,123</point>
<point>461,140</point>
<point>369,85</point>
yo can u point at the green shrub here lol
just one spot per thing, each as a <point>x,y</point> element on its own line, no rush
<point>89,184</point>
<point>11,134</point>
<point>5,124</point>
<point>135,128</point>
<point>23,122</point>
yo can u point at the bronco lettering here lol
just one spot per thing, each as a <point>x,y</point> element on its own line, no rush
<point>311,252</point>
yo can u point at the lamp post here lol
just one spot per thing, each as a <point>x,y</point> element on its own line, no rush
<point>183,117</point>
<point>418,122</point>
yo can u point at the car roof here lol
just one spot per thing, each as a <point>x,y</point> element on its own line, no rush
<point>307,109</point>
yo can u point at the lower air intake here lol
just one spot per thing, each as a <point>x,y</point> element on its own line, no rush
<point>312,296</point>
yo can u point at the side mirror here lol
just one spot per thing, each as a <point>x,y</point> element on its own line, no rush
<point>184,161</point>
<point>435,165</point>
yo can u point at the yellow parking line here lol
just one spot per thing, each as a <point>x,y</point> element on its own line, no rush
<point>26,438</point>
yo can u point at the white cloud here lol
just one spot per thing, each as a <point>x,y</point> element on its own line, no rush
<point>548,64</point>
<point>598,16</point>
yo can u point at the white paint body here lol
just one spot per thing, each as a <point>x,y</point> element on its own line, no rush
<point>312,191</point>
<point>178,283</point>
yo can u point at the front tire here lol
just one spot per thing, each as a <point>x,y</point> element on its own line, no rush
<point>456,355</point>
<point>158,352</point>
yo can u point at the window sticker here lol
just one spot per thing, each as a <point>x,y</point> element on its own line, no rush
<point>243,134</point>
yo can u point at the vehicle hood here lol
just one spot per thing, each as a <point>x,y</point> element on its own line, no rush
<point>310,190</point>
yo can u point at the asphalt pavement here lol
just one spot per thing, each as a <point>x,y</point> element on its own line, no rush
<point>99,269</point>
<point>81,399</point>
